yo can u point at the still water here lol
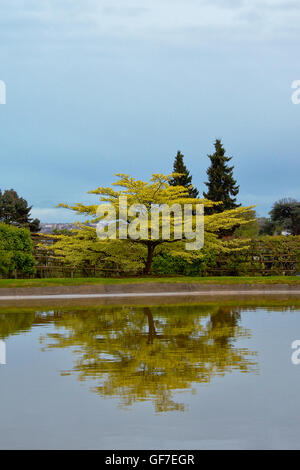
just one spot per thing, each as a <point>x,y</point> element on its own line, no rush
<point>200,376</point>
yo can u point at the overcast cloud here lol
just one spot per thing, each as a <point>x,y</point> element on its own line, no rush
<point>98,87</point>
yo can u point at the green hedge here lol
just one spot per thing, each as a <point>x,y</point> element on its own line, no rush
<point>16,251</point>
<point>269,255</point>
<point>165,264</point>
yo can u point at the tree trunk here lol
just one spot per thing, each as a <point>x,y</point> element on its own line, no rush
<point>149,260</point>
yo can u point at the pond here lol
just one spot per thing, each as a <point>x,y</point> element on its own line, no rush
<point>194,376</point>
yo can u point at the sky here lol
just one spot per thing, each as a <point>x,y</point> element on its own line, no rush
<point>98,87</point>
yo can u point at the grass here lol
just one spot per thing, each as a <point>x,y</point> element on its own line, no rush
<point>13,283</point>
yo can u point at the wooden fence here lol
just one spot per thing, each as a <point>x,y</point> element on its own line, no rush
<point>261,259</point>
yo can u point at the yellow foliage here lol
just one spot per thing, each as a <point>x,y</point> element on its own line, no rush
<point>84,246</point>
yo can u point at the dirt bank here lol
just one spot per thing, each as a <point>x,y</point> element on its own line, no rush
<point>145,288</point>
<point>158,293</point>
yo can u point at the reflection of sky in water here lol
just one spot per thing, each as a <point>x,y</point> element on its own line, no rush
<point>43,404</point>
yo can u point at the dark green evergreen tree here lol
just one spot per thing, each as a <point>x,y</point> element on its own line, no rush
<point>221,184</point>
<point>185,179</point>
<point>14,210</point>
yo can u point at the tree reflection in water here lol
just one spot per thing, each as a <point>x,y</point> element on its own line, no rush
<point>139,354</point>
<point>142,354</point>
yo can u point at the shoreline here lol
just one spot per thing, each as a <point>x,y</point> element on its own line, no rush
<point>164,292</point>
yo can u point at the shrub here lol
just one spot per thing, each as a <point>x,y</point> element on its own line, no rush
<point>166,264</point>
<point>16,251</point>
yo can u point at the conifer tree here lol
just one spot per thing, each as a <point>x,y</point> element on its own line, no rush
<point>14,210</point>
<point>184,179</point>
<point>222,187</point>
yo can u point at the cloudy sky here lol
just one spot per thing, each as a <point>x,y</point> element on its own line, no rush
<point>96,87</point>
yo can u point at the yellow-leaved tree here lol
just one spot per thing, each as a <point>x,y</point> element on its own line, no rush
<point>145,200</point>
